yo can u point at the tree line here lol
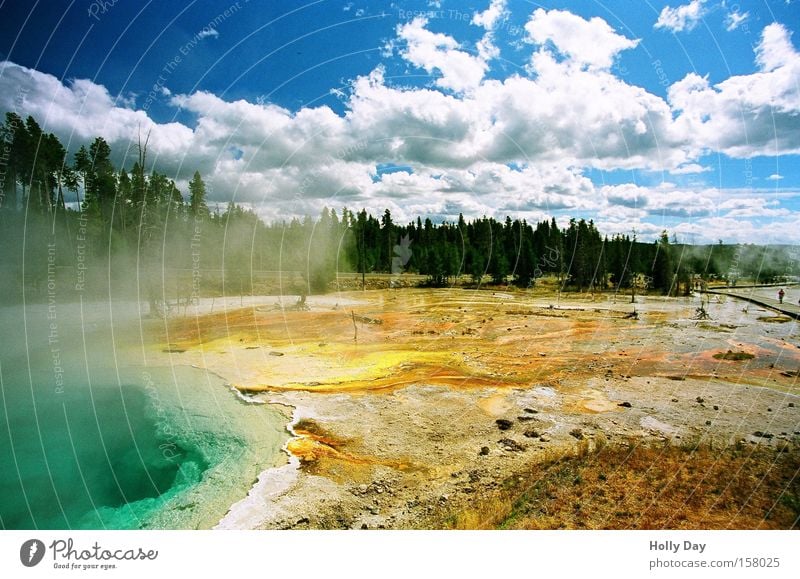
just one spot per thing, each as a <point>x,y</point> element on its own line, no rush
<point>83,220</point>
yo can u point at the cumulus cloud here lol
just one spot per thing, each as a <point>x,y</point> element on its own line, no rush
<point>748,115</point>
<point>492,15</point>
<point>459,70</point>
<point>681,18</point>
<point>81,109</point>
<point>522,145</point>
<point>775,49</point>
<point>589,43</point>
<point>488,19</point>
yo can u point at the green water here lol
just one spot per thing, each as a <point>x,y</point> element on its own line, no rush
<point>86,458</point>
<point>95,433</point>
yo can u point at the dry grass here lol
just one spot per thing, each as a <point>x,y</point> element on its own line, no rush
<point>637,487</point>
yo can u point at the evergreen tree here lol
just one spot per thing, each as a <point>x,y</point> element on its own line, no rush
<point>197,197</point>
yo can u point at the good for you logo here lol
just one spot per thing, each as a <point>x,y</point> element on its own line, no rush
<point>32,552</point>
<point>67,555</point>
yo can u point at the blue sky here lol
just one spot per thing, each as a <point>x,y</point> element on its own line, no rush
<point>640,115</point>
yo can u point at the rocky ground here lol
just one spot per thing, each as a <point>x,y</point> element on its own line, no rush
<point>410,405</point>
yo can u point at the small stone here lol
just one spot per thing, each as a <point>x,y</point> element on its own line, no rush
<point>511,445</point>
<point>708,423</point>
<point>503,424</point>
<point>576,433</point>
<point>625,404</point>
<point>532,411</point>
<point>531,434</point>
<point>484,451</point>
<point>699,400</point>
<point>275,353</point>
<point>716,407</point>
<point>791,404</point>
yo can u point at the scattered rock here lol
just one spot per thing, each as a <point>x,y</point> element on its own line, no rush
<point>531,433</point>
<point>275,353</point>
<point>625,404</point>
<point>530,411</point>
<point>484,451</point>
<point>525,418</point>
<point>791,404</point>
<point>760,434</point>
<point>708,423</point>
<point>716,407</point>
<point>503,424</point>
<point>511,445</point>
<point>576,433</point>
<point>699,400</point>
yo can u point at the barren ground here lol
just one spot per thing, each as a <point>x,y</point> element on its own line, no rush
<point>398,393</point>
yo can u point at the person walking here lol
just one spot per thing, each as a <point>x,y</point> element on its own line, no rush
<point>781,293</point>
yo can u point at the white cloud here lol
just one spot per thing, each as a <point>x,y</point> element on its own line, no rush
<point>460,71</point>
<point>749,115</point>
<point>681,18</point>
<point>775,49</point>
<point>522,145</point>
<point>775,177</point>
<point>208,33</point>
<point>734,19</point>
<point>81,109</point>
<point>690,169</point>
<point>589,43</point>
<point>489,18</point>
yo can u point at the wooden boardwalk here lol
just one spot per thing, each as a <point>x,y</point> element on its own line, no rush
<point>790,309</point>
